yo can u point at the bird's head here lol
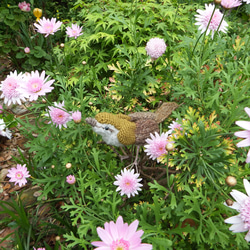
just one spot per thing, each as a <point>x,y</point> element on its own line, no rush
<point>116,130</point>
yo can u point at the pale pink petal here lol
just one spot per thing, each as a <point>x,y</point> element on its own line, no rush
<point>136,240</point>
<point>132,229</point>
<point>247,237</point>
<point>238,196</point>
<point>99,244</point>
<point>104,236</point>
<point>143,246</point>
<point>243,143</point>
<point>247,110</point>
<point>243,124</point>
<point>248,157</point>
<point>234,219</point>
<point>243,134</point>
<point>247,186</point>
<point>113,230</point>
<point>236,206</point>
<point>238,228</point>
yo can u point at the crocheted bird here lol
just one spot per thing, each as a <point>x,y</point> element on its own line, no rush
<point>135,128</point>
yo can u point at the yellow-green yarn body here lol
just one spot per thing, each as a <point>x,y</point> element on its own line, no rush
<point>121,122</point>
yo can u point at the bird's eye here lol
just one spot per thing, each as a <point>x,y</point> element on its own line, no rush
<point>106,127</point>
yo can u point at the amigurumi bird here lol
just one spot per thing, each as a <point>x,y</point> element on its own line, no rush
<point>135,128</point>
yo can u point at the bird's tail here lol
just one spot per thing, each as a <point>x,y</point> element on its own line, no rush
<point>165,110</point>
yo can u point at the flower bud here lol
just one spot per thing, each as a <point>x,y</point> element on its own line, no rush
<point>62,45</point>
<point>27,50</point>
<point>68,165</point>
<point>170,146</point>
<point>77,116</point>
<point>229,202</point>
<point>217,1</point>
<point>37,13</point>
<point>52,166</point>
<point>231,181</point>
<point>57,238</point>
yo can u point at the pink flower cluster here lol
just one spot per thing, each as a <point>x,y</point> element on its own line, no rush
<point>155,47</point>
<point>24,6</point>
<point>19,87</point>
<point>244,134</point>
<point>120,235</point>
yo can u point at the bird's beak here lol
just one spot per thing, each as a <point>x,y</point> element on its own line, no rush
<point>91,121</point>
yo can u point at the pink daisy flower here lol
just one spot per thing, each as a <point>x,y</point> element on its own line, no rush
<point>120,236</point>
<point>244,134</point>
<point>4,131</point>
<point>156,146</point>
<point>47,26</point>
<point>71,179</point>
<point>128,182</point>
<point>18,174</point>
<point>39,248</point>
<point>156,47</point>
<point>10,88</point>
<point>74,31</point>
<point>59,115</point>
<point>241,222</point>
<point>36,85</point>
<point>174,125</point>
<point>204,17</point>
<point>229,4</point>
<point>24,6</point>
<point>77,116</point>
<point>27,50</point>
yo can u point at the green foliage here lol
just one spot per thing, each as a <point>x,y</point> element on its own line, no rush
<point>107,69</point>
<point>201,152</point>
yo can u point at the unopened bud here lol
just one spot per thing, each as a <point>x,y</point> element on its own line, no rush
<point>52,166</point>
<point>62,45</point>
<point>37,13</point>
<point>44,101</point>
<point>229,202</point>
<point>77,116</point>
<point>68,165</point>
<point>84,62</point>
<point>231,181</point>
<point>170,146</point>
<point>217,1</point>
<point>57,238</point>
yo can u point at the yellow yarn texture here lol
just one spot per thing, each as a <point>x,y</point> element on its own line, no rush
<point>122,122</point>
